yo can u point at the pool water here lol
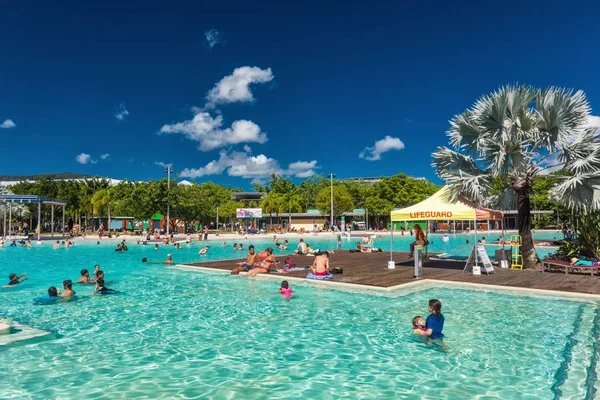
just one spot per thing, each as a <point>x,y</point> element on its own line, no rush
<point>173,333</point>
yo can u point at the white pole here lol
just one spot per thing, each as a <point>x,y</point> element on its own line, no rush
<point>39,220</point>
<point>476,244</point>
<point>331,179</point>
<point>52,220</point>
<point>168,200</point>
<point>9,218</point>
<point>392,241</point>
<point>63,225</point>
<point>4,232</point>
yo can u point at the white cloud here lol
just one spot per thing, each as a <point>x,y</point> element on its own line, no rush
<point>244,165</point>
<point>236,87</point>
<point>105,156</point>
<point>384,145</point>
<point>594,120</point>
<point>247,149</point>
<point>83,158</point>
<point>213,37</point>
<point>8,124</point>
<point>207,131</point>
<point>121,112</point>
<point>162,164</point>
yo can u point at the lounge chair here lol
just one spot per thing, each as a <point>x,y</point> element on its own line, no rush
<point>553,265</point>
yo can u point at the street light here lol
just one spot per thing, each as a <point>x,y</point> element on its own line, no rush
<point>168,170</point>
<point>331,176</point>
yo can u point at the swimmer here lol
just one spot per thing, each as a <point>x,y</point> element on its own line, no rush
<point>204,250</point>
<point>56,245</point>
<point>144,260</point>
<point>177,246</point>
<point>16,279</point>
<point>188,239</point>
<point>235,246</point>
<point>445,238</point>
<point>99,275</point>
<point>169,259</point>
<point>98,242</point>
<point>285,290</point>
<point>101,289</point>
<point>68,286</point>
<point>52,291</point>
<point>224,244</point>
<point>156,246</point>
<point>241,247</point>
<point>85,277</point>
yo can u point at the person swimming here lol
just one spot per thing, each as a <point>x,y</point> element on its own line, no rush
<point>101,289</point>
<point>156,246</point>
<point>169,259</point>
<point>15,279</point>
<point>204,250</point>
<point>285,290</point>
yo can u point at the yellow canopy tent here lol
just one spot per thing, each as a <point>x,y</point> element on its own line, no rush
<point>436,208</point>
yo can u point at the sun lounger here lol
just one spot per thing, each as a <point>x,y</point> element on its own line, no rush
<point>553,265</point>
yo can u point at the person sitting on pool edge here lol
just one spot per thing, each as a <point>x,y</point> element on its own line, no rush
<point>251,262</point>
<point>419,240</point>
<point>266,265</point>
<point>302,248</point>
<point>16,279</point>
<point>320,266</point>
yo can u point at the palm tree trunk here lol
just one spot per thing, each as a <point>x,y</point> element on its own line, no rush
<point>109,217</point>
<point>530,257</point>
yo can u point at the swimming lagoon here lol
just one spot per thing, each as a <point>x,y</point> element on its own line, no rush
<point>172,333</point>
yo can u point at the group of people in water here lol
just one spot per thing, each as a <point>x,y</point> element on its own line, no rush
<point>67,293</point>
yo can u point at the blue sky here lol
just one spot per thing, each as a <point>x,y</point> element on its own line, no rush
<point>233,91</point>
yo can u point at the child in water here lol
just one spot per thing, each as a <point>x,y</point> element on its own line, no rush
<point>434,323</point>
<point>16,279</point>
<point>285,290</point>
<point>418,324</point>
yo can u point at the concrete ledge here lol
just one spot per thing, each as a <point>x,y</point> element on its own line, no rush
<point>405,288</point>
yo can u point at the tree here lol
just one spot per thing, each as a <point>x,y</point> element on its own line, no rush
<point>290,202</point>
<point>514,134</point>
<point>342,201</point>
<point>102,199</point>
<point>378,207</point>
<point>271,204</point>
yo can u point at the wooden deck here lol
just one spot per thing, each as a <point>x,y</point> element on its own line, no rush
<point>371,270</point>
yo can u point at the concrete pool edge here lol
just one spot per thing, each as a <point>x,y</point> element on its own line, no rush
<point>356,287</point>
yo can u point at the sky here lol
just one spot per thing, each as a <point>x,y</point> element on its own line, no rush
<point>233,91</point>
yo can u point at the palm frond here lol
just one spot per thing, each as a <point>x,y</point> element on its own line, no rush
<point>561,115</point>
<point>505,200</point>
<point>581,193</point>
<point>464,132</point>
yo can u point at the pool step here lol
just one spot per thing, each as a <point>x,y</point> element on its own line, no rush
<point>20,332</point>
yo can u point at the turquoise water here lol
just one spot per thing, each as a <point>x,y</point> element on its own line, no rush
<point>173,333</point>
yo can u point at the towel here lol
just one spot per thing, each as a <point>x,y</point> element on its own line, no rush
<point>321,277</point>
<point>288,270</point>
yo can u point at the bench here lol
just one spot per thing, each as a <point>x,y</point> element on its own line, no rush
<point>550,265</point>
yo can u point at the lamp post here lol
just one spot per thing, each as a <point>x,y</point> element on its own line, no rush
<point>168,170</point>
<point>331,176</point>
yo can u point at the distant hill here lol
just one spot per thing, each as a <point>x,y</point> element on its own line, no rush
<point>59,175</point>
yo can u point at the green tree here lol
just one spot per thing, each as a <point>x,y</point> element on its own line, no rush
<point>103,200</point>
<point>342,201</point>
<point>379,208</point>
<point>271,204</point>
<point>514,134</point>
<point>290,202</point>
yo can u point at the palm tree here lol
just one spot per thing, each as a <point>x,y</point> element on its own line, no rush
<point>290,202</point>
<point>102,198</point>
<point>270,204</point>
<point>511,136</point>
